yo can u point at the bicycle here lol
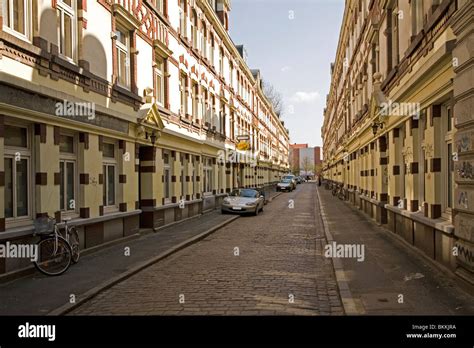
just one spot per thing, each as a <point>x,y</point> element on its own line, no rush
<point>55,252</point>
<point>342,193</point>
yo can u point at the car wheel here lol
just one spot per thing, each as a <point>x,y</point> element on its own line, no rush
<point>223,212</point>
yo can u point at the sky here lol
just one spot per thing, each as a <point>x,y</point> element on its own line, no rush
<point>293,43</point>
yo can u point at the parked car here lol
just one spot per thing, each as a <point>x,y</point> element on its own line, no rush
<point>300,180</point>
<point>292,178</point>
<point>243,201</point>
<point>285,185</point>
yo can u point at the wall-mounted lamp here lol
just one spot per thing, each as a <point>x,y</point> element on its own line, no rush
<point>375,126</point>
<point>152,136</point>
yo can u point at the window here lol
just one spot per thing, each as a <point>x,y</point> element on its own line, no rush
<point>15,16</point>
<point>17,163</point>
<point>231,74</point>
<point>159,5</point>
<point>183,93</point>
<point>212,50</point>
<point>208,175</point>
<point>183,19</point>
<point>167,176</point>
<point>67,27</point>
<point>222,118</point>
<point>213,111</point>
<point>194,29</point>
<point>447,129</point>
<point>416,17</point>
<point>184,171</point>
<point>194,177</point>
<point>160,81</point>
<point>195,90</point>
<point>67,169</point>
<point>221,62</point>
<point>204,40</point>
<point>395,38</point>
<point>122,46</point>
<point>110,174</point>
<point>205,108</point>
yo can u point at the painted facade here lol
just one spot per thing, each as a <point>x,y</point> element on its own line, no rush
<point>398,124</point>
<point>126,114</point>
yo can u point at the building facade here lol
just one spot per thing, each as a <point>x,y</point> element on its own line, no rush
<point>304,160</point>
<point>398,127</point>
<point>126,114</point>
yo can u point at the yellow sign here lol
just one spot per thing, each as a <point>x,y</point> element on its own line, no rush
<point>243,146</point>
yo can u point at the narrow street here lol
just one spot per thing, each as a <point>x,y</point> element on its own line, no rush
<point>274,264</point>
<point>280,270</point>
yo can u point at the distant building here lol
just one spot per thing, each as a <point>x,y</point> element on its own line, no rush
<point>303,159</point>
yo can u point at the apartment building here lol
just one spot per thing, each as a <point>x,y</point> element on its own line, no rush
<point>304,160</point>
<point>126,114</point>
<point>398,125</point>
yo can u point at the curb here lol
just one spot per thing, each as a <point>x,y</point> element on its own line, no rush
<point>29,270</point>
<point>350,306</point>
<point>121,277</point>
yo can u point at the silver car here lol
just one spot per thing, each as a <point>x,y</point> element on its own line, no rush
<point>243,201</point>
<point>285,185</point>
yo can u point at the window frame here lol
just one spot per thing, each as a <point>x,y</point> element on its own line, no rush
<point>26,17</point>
<point>161,73</point>
<point>67,157</point>
<point>167,174</point>
<point>28,154</point>
<point>448,130</point>
<point>208,179</point>
<point>64,9</point>
<point>126,48</point>
<point>110,162</point>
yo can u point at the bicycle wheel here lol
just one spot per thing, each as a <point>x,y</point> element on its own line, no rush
<point>54,256</point>
<point>74,242</point>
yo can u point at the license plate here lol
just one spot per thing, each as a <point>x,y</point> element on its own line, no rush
<point>237,208</point>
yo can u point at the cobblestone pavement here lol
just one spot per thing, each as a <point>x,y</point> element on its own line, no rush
<point>271,264</point>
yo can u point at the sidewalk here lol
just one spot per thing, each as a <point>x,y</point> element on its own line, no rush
<point>393,279</point>
<point>38,295</point>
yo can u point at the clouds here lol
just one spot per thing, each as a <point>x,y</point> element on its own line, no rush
<point>285,69</point>
<point>305,97</point>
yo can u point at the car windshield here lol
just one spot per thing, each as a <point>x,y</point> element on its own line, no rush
<point>286,181</point>
<point>244,193</point>
<point>288,177</point>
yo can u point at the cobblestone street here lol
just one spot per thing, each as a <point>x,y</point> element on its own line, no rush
<point>272,264</point>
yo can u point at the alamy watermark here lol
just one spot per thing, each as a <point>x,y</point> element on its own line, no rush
<point>71,109</point>
<point>400,109</point>
<point>235,156</point>
<point>334,250</point>
<point>20,251</point>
